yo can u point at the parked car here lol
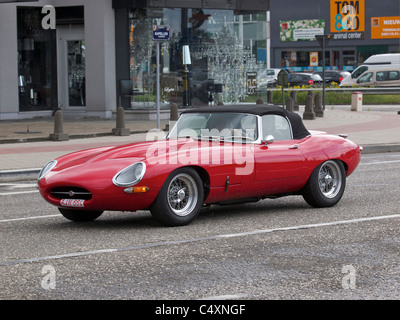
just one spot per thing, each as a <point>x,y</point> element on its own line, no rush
<point>268,78</point>
<point>380,78</point>
<point>213,155</point>
<point>300,79</point>
<point>377,61</point>
<point>333,76</point>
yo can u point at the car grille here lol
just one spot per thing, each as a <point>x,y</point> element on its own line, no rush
<point>71,193</point>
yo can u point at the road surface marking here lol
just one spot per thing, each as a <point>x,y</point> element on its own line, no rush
<point>193,240</point>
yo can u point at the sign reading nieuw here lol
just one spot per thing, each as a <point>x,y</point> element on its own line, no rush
<point>348,19</point>
<point>385,27</point>
<point>161,32</point>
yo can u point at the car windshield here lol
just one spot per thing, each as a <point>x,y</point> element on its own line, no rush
<point>223,126</point>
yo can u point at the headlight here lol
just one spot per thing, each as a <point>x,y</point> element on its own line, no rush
<point>131,175</point>
<point>47,168</point>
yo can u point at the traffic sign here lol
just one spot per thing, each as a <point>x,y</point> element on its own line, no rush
<point>161,33</point>
<point>323,37</point>
<point>283,78</point>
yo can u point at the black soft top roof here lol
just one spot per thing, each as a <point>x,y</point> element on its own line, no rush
<point>299,130</point>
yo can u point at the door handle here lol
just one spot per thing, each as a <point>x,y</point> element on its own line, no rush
<point>296,146</point>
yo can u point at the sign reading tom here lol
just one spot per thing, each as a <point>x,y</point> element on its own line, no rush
<point>348,19</point>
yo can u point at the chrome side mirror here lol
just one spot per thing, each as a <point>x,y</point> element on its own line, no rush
<point>269,139</point>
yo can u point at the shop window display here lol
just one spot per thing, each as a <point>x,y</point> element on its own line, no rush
<point>224,47</point>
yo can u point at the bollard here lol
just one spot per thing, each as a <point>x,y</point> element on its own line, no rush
<point>120,129</point>
<point>59,134</point>
<point>309,113</point>
<point>173,116</point>
<point>260,101</point>
<point>356,101</point>
<point>289,104</point>
<point>319,112</point>
<point>293,95</point>
<point>174,112</point>
<point>269,97</point>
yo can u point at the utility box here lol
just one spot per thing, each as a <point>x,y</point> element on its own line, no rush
<point>356,101</point>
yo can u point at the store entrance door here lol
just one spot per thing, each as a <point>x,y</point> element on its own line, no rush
<point>71,53</point>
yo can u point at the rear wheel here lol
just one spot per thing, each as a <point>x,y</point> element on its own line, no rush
<point>180,198</point>
<point>80,215</point>
<point>326,184</point>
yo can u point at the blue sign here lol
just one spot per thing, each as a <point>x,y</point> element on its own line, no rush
<point>161,32</point>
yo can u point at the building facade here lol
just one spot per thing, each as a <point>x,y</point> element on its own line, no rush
<point>359,29</point>
<point>83,63</point>
<point>100,54</point>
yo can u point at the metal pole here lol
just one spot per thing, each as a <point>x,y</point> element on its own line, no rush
<point>158,82</point>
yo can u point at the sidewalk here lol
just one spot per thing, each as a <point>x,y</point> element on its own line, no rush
<point>25,146</point>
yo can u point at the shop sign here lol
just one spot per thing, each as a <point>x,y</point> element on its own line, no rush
<point>313,59</point>
<point>301,30</point>
<point>161,32</point>
<point>348,19</point>
<point>385,27</point>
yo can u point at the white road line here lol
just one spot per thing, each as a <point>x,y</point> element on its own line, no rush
<point>30,218</point>
<point>17,193</point>
<point>225,297</point>
<point>186,241</point>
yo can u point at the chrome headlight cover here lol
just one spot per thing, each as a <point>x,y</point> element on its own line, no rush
<point>130,176</point>
<point>47,168</point>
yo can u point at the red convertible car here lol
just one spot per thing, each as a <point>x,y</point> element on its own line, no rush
<point>213,155</point>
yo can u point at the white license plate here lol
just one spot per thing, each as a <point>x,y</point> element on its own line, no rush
<point>75,203</point>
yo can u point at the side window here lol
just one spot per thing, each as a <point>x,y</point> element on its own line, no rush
<point>358,72</point>
<point>276,126</point>
<point>365,78</point>
<point>394,75</point>
<point>381,76</point>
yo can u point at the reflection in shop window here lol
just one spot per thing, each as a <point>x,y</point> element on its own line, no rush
<point>223,47</point>
<point>76,72</point>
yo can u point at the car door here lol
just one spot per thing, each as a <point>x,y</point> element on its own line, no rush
<point>295,79</point>
<point>278,165</point>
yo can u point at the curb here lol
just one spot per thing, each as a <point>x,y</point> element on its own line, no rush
<point>380,148</point>
<point>19,175</point>
<point>71,137</point>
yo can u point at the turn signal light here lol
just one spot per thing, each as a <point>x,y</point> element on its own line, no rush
<point>136,189</point>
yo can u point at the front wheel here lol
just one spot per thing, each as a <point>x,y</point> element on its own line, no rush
<point>180,198</point>
<point>326,184</point>
<point>80,215</point>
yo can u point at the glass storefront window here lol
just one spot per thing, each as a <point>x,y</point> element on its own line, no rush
<point>76,73</point>
<point>34,61</point>
<point>224,47</point>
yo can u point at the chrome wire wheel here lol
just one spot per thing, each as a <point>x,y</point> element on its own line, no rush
<point>330,179</point>
<point>182,194</point>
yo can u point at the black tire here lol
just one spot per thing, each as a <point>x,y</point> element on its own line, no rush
<point>326,185</point>
<point>180,198</point>
<point>80,215</point>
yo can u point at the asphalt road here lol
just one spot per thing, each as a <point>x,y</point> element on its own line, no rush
<point>273,249</point>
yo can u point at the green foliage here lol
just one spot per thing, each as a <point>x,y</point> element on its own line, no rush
<point>331,98</point>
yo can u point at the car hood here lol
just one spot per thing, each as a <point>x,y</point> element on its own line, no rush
<point>136,151</point>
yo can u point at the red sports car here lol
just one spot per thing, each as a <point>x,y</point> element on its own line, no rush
<point>213,155</point>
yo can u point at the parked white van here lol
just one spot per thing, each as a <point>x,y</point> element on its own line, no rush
<point>374,62</point>
<point>388,77</point>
